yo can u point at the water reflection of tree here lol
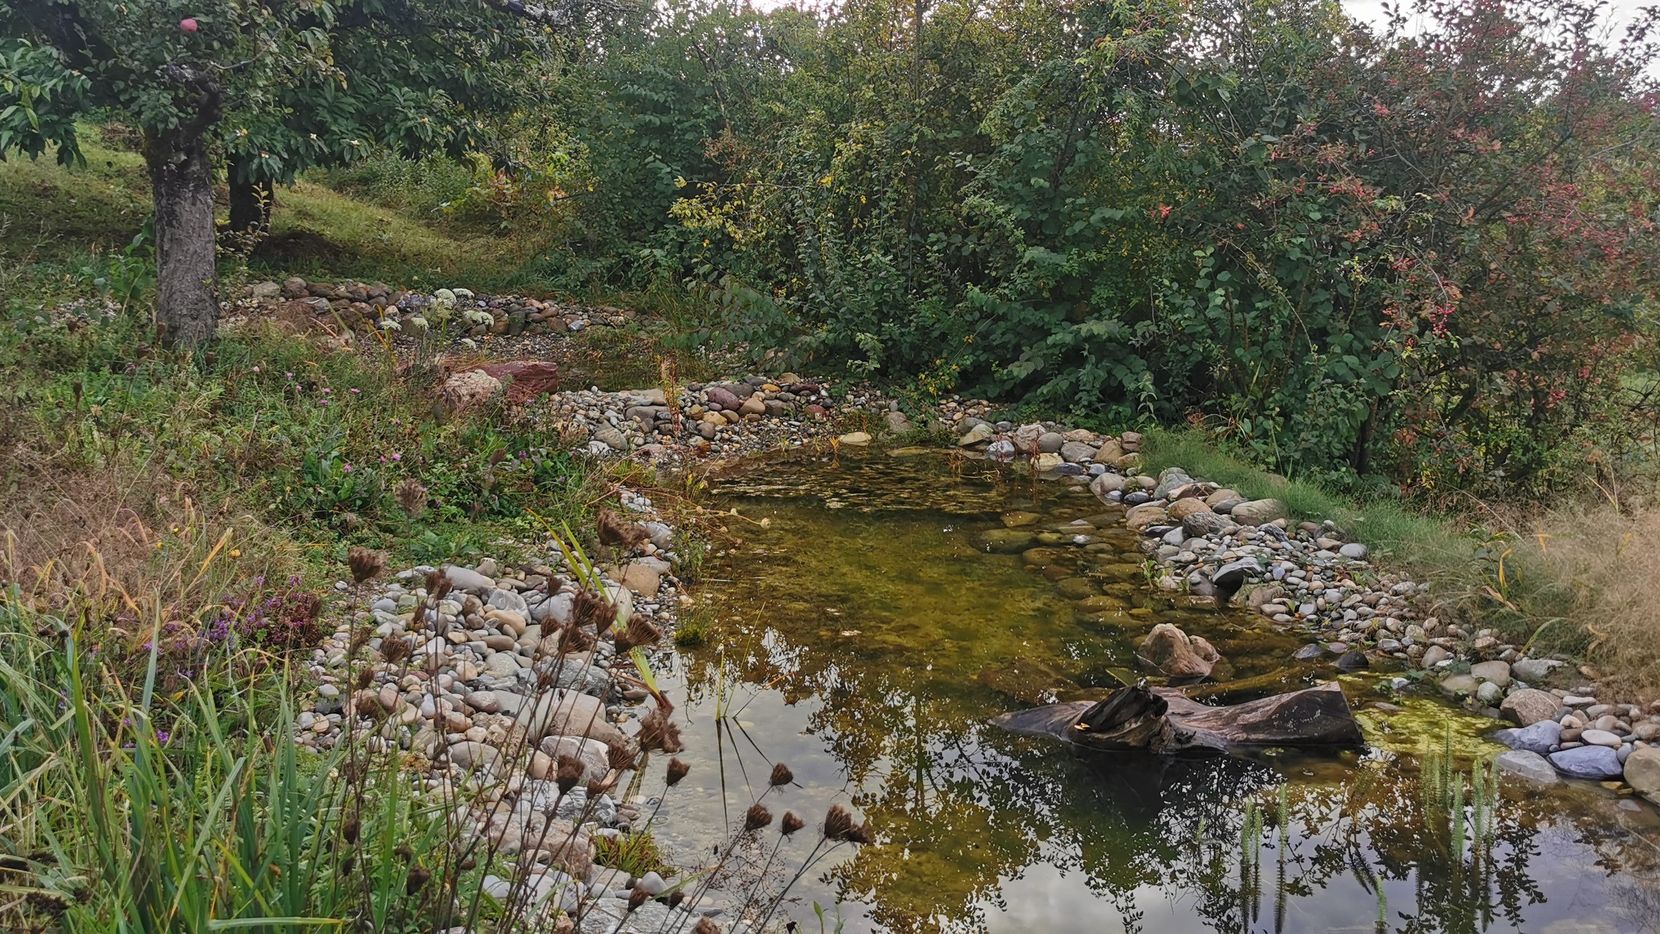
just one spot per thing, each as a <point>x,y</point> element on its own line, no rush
<point>960,809</point>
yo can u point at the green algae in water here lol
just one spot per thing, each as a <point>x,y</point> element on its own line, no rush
<point>865,635</point>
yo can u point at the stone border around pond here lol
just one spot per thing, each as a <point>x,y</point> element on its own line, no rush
<point>503,689</point>
<point>1309,576</point>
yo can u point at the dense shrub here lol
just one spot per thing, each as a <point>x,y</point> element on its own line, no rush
<point>1424,249</point>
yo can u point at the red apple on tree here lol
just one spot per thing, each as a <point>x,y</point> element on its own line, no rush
<point>189,24</point>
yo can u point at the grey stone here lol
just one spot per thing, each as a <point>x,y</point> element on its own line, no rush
<point>1495,671</point>
<point>1203,524</point>
<point>1076,452</point>
<point>1590,762</point>
<point>503,599</point>
<point>1600,738</point>
<point>467,579</point>
<point>1534,670</point>
<point>1354,551</point>
<point>1642,772</point>
<point>1528,766</point>
<point>1529,706</point>
<point>1169,479</point>
<point>1258,511</point>
<point>979,434</point>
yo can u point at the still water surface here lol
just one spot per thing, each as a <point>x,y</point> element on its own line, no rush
<point>863,635</point>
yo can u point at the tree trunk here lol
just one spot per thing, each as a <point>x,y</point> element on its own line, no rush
<point>187,305</point>
<point>251,201</point>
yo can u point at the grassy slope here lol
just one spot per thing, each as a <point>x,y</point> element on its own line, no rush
<point>58,227</point>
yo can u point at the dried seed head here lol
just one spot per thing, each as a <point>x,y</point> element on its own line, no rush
<point>756,817</point>
<point>675,898</point>
<point>837,822</point>
<point>636,897</point>
<point>639,632</point>
<point>657,732</point>
<point>416,879</point>
<point>568,773</point>
<point>705,926</point>
<point>860,834</point>
<point>677,771</point>
<point>619,757</point>
<point>781,775</point>
<point>595,788</point>
<point>350,829</point>
<point>365,562</point>
<point>590,610</point>
<point>411,496</point>
<point>791,823</point>
<point>574,638</point>
<point>395,649</point>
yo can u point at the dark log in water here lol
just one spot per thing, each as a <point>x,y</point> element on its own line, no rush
<point>1163,720</point>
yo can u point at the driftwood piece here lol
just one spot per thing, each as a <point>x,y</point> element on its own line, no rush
<point>1163,720</point>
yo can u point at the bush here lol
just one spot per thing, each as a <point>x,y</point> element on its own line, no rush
<point>1423,251</point>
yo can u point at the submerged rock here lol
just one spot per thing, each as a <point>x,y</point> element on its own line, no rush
<point>1529,766</point>
<point>1177,654</point>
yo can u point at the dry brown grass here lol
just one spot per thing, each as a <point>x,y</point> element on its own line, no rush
<point>101,543</point>
<point>1601,572</point>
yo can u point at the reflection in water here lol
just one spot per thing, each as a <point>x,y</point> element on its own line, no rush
<point>865,638</point>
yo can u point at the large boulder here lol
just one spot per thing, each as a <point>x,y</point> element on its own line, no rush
<point>525,379</point>
<point>1540,737</point>
<point>1177,654</point>
<point>1529,706</point>
<point>1596,763</point>
<point>1642,772</point>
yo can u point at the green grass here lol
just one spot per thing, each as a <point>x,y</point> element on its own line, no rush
<point>335,447</point>
<point>1412,541</point>
<point>1489,574</point>
<point>59,226</point>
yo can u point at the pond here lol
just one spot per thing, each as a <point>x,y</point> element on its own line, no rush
<point>877,608</point>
